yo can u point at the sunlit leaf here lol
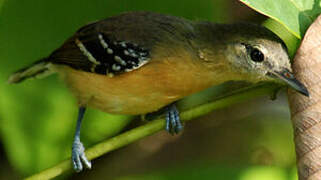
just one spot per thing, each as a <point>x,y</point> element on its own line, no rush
<point>295,15</point>
<point>291,41</point>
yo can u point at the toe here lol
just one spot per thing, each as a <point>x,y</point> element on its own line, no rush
<point>85,161</point>
<point>179,126</point>
<point>79,159</point>
<point>173,123</point>
<point>74,165</point>
<point>77,163</point>
<point>167,126</point>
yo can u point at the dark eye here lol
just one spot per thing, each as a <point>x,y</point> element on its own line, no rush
<point>256,55</point>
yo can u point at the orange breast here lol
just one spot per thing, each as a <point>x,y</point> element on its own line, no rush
<point>141,91</point>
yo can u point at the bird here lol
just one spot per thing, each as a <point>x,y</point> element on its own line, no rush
<point>144,62</point>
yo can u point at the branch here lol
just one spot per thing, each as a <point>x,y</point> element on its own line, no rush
<point>158,125</point>
<point>306,112</point>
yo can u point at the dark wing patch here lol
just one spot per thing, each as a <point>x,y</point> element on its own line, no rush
<point>111,57</point>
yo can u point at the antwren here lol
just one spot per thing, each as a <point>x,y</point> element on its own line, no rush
<point>140,62</point>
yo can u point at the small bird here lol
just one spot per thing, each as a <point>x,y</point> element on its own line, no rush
<point>141,62</point>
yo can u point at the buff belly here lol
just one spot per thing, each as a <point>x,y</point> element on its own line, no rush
<point>141,91</point>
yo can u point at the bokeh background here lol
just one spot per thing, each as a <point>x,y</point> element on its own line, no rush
<point>248,141</point>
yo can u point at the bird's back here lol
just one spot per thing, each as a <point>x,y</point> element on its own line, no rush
<point>127,35</point>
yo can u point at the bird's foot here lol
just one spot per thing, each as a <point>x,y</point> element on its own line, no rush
<point>173,123</point>
<point>79,159</point>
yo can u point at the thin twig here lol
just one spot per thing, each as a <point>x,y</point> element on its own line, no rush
<point>158,125</point>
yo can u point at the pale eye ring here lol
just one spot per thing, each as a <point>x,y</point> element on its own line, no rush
<point>256,55</point>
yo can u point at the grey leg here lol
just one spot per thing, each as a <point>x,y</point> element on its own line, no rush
<point>78,151</point>
<point>173,123</point>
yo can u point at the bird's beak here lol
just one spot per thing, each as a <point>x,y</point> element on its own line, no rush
<point>286,76</point>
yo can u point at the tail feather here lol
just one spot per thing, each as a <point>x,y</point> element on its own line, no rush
<point>38,69</point>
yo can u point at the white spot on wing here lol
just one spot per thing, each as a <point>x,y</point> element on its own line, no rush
<point>120,60</point>
<point>115,67</point>
<point>134,55</point>
<point>110,51</point>
<point>102,41</point>
<point>86,52</point>
<point>123,44</point>
<point>136,66</point>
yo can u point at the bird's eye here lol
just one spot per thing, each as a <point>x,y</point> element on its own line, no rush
<point>256,55</point>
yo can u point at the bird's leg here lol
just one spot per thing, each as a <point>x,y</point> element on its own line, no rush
<point>78,151</point>
<point>173,123</point>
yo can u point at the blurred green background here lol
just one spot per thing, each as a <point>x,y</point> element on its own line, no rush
<point>249,141</point>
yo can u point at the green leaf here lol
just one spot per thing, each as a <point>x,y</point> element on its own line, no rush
<point>290,40</point>
<point>295,15</point>
<point>1,3</point>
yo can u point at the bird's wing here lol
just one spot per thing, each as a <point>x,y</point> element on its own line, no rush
<point>97,52</point>
<point>120,44</point>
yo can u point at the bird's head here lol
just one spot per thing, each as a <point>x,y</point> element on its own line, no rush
<point>259,53</point>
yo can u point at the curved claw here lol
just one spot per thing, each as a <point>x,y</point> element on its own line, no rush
<point>79,159</point>
<point>173,123</point>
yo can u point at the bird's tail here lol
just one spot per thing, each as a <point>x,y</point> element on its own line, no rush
<point>39,69</point>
